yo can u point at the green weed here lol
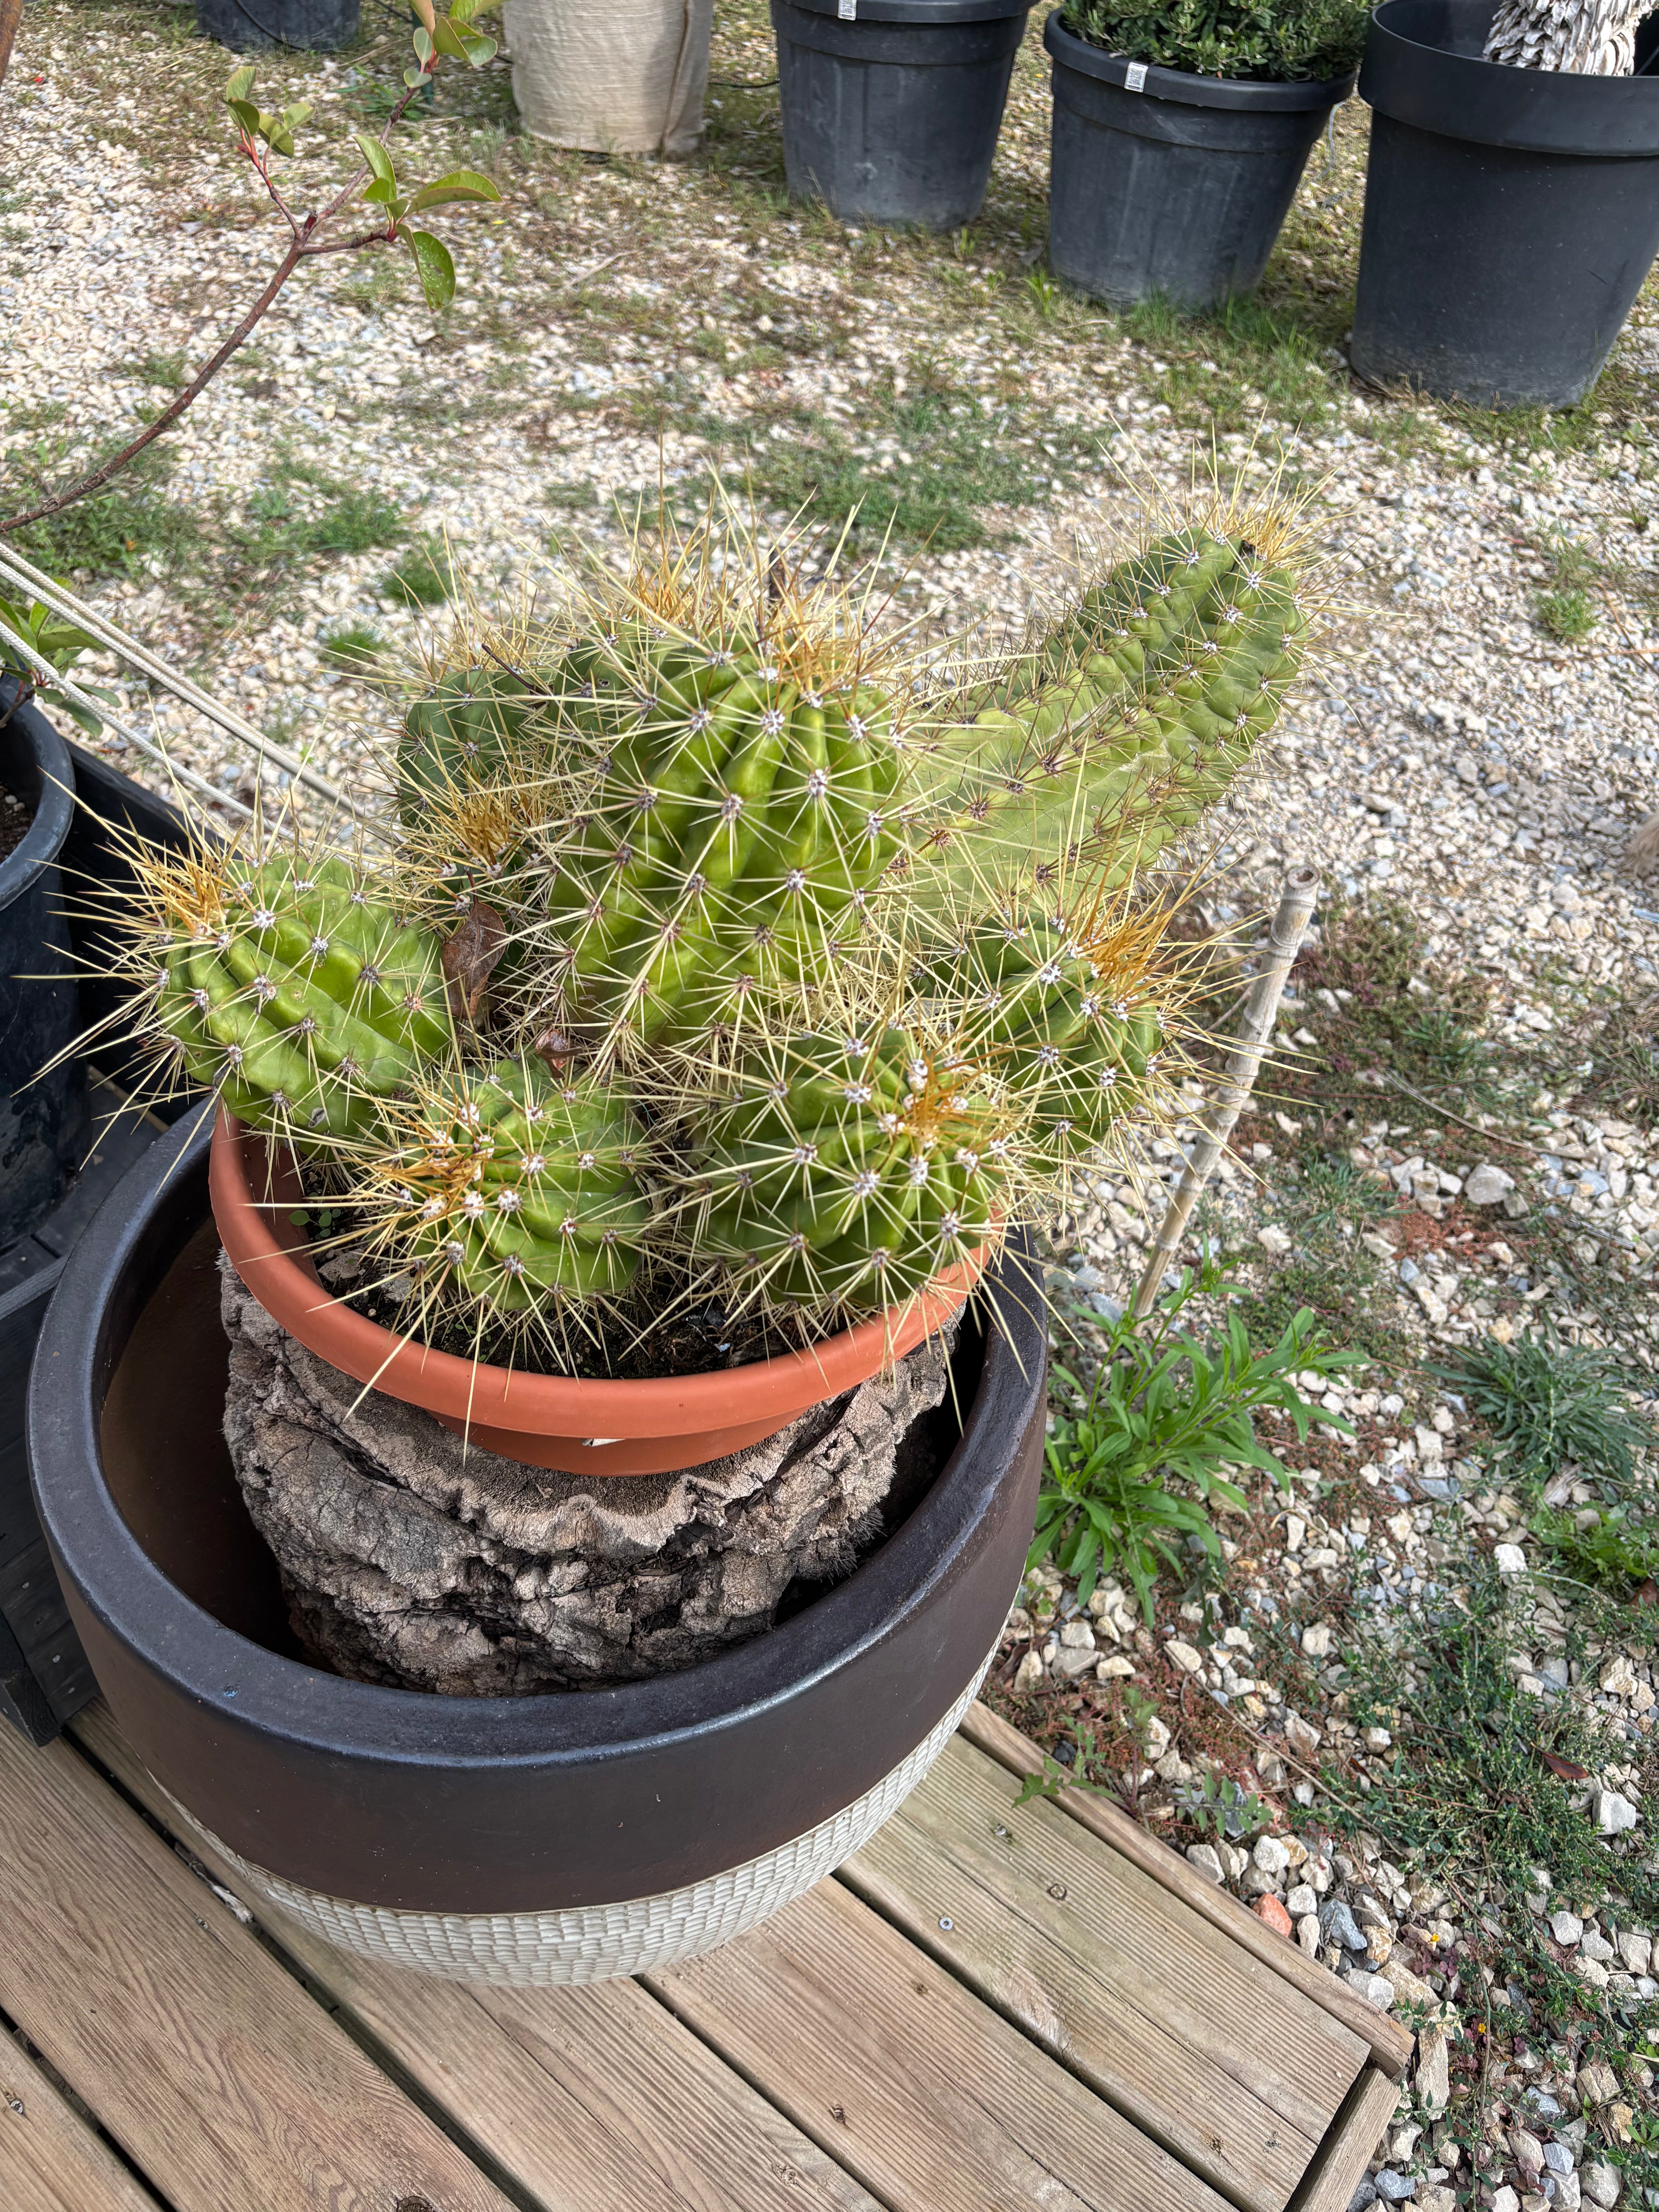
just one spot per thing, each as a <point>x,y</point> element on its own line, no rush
<point>425,579</point>
<point>122,531</point>
<point>1567,615</point>
<point>1546,1403</point>
<point>1161,1409</point>
<point>1216,1804</point>
<point>357,649</point>
<point>1616,1551</point>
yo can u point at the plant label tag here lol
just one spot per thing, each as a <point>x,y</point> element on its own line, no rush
<point>1135,77</point>
<point>848,10</point>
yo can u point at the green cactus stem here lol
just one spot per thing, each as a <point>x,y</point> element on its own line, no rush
<point>296,990</point>
<point>848,1171</point>
<point>1131,716</point>
<point>508,1188</point>
<point>736,817</point>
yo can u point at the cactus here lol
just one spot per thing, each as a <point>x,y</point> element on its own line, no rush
<point>779,955</point>
<point>1130,716</point>
<point>292,988</point>
<point>1068,1013</point>
<point>472,724</point>
<point>846,1171</point>
<point>506,1188</point>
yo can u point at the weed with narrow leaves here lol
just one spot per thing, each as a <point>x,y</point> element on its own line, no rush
<point>1548,1403</point>
<point>1167,1408</point>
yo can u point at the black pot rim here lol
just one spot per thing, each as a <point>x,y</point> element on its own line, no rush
<point>915,14</point>
<point>1191,91</point>
<point>283,1697</point>
<point>54,807</point>
<point>1412,74</point>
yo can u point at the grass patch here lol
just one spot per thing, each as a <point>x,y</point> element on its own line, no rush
<point>356,649</point>
<point>1624,1057</point>
<point>1473,1795</point>
<point>1250,356</point>
<point>918,472</point>
<point>1546,1404</point>
<point>425,579</point>
<point>122,531</point>
<point>306,515</point>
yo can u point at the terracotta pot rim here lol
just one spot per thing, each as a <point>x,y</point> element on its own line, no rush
<point>282,1279</point>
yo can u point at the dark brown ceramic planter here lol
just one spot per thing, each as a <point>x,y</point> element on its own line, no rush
<point>555,1838</point>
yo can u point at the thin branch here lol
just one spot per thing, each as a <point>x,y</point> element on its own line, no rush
<point>305,243</point>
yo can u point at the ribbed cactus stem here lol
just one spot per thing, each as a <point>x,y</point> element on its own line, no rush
<point>848,1171</point>
<point>507,1188</point>
<point>296,990</point>
<point>1131,716</point>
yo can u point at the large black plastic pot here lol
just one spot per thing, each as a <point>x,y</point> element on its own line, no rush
<point>605,1829</point>
<point>251,26</point>
<point>1167,186</point>
<point>43,1118</point>
<point>1512,214</point>
<point>43,1674</point>
<point>892,107</point>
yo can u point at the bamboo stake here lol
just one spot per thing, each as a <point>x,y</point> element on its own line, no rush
<point>1296,904</point>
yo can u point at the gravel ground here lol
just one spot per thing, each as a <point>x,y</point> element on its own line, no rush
<point>1475,754</point>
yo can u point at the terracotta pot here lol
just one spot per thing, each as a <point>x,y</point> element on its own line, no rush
<point>649,1427</point>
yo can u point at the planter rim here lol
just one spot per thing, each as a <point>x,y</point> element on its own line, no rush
<point>1423,67</point>
<point>55,807</point>
<point>1189,90</point>
<point>246,1685</point>
<point>916,14</point>
<point>712,1413</point>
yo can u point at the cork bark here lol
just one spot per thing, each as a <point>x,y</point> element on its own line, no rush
<point>413,1559</point>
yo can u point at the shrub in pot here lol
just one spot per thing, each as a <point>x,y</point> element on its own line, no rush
<point>1511,197</point>
<point>628,79</point>
<point>732,989</point>
<point>890,108</point>
<point>251,26</point>
<point>1181,131</point>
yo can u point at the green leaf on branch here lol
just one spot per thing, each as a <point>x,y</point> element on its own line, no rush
<point>478,49</point>
<point>457,185</point>
<point>247,114</point>
<point>385,194</point>
<point>241,83</point>
<point>436,269</point>
<point>413,77</point>
<point>423,45</point>
<point>447,39</point>
<point>378,161</point>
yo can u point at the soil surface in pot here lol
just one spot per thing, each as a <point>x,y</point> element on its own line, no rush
<point>411,1558</point>
<point>16,817</point>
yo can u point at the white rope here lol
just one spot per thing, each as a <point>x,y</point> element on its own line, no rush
<point>71,691</point>
<point>62,601</point>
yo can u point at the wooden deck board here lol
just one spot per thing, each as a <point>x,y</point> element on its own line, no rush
<point>221,2080</point>
<point>932,2098</point>
<point>1083,2036</point>
<point>588,2098</point>
<point>1192,2038</point>
<point>49,2159</point>
<point>1389,2043</point>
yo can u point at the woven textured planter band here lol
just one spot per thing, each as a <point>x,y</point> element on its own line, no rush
<point>599,1942</point>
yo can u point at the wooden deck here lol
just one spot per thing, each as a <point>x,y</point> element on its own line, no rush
<point>986,2009</point>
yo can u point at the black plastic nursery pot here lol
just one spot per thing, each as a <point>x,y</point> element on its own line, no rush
<point>253,27</point>
<point>1512,214</point>
<point>44,1675</point>
<point>1167,186</point>
<point>603,1828</point>
<point>43,1118</point>
<point>892,107</point>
